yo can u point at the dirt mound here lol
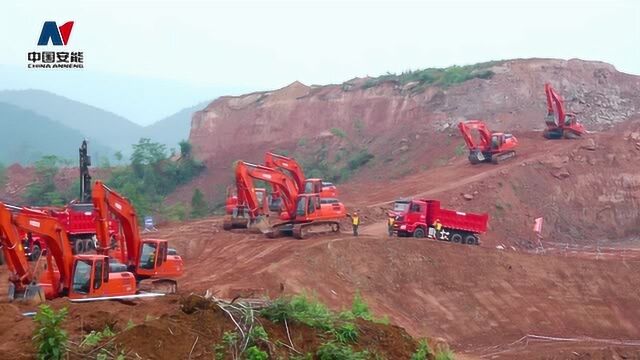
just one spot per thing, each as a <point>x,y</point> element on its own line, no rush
<point>195,330</point>
<point>15,332</point>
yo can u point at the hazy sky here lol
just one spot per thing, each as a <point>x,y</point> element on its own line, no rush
<point>147,59</point>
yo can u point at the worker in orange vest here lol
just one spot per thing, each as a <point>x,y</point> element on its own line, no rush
<point>390,221</point>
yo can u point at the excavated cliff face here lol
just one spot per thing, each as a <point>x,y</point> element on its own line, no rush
<point>512,99</point>
<point>587,190</point>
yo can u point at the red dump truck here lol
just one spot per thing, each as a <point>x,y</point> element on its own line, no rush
<point>420,218</point>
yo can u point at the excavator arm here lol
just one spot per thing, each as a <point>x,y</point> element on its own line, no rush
<point>272,160</point>
<point>555,105</point>
<point>106,202</point>
<point>20,273</point>
<point>246,172</point>
<point>55,236</point>
<point>485,135</point>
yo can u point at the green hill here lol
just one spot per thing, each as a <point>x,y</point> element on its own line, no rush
<point>94,123</point>
<point>28,136</point>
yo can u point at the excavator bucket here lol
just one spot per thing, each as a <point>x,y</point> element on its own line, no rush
<point>32,294</point>
<point>261,223</point>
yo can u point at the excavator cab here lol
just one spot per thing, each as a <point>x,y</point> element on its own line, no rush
<point>313,186</point>
<point>155,259</point>
<point>307,205</point>
<point>91,278</point>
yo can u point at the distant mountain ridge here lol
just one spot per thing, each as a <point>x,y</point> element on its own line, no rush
<point>74,121</point>
<point>34,135</point>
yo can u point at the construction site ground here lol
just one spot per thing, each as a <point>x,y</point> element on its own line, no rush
<point>578,300</point>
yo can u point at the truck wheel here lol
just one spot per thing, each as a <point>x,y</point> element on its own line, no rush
<point>78,246</point>
<point>471,240</point>
<point>35,252</point>
<point>456,238</point>
<point>419,233</point>
<point>88,245</point>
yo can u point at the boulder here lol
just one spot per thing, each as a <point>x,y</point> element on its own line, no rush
<point>561,174</point>
<point>590,145</point>
<point>467,197</point>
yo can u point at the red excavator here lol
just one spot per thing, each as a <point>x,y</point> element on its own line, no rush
<point>493,147</point>
<point>307,186</point>
<point>146,258</point>
<point>232,198</point>
<point>302,212</point>
<point>560,124</point>
<point>80,277</point>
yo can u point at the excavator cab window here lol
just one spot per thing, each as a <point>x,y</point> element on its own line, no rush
<point>301,207</point>
<point>148,255</point>
<point>308,187</point>
<point>98,274</point>
<point>82,276</point>
<point>567,120</point>
<point>495,141</point>
<point>311,207</point>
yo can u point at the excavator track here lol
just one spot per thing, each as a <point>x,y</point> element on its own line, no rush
<point>498,158</point>
<point>300,231</point>
<point>160,286</point>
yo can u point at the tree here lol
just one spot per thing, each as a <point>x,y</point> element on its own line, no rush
<point>198,204</point>
<point>185,149</point>
<point>118,156</point>
<point>43,191</point>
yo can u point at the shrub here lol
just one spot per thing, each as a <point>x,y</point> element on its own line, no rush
<point>359,159</point>
<point>94,337</point>
<point>254,353</point>
<point>338,132</point>
<point>359,308</point>
<point>199,206</point>
<point>444,354</point>
<point>49,337</point>
<point>422,352</point>
<point>336,351</point>
<point>461,149</point>
<point>346,333</point>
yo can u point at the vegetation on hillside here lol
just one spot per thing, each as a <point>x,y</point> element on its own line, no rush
<point>292,327</point>
<point>152,174</point>
<point>44,191</point>
<point>437,76</point>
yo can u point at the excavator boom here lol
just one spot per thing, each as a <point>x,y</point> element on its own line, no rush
<point>560,123</point>
<point>272,160</point>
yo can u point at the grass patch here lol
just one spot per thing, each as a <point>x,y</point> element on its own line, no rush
<point>443,77</point>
